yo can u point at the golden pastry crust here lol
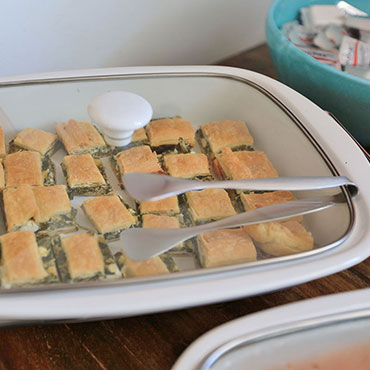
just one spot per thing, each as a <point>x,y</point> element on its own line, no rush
<point>225,247</point>
<point>281,238</point>
<point>36,140</point>
<point>79,136</point>
<point>209,204</point>
<point>84,257</point>
<point>231,134</point>
<point>187,165</point>
<point>138,159</point>
<point>21,259</point>
<point>20,207</point>
<point>2,143</point>
<point>139,135</point>
<point>152,266</point>
<point>23,168</point>
<point>168,131</point>
<point>243,165</point>
<point>253,201</point>
<point>51,201</point>
<point>160,222</point>
<point>2,175</point>
<point>168,205</point>
<point>82,171</point>
<point>108,214</point>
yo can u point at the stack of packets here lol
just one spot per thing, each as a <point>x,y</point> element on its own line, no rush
<point>333,37</point>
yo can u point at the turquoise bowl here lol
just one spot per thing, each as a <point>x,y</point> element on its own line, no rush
<point>344,95</point>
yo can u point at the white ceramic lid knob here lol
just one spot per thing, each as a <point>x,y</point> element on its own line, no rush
<point>118,114</point>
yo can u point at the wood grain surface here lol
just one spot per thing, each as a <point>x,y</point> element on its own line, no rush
<point>154,341</point>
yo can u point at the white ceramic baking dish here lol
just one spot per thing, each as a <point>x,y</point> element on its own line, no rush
<point>298,137</point>
<point>330,328</point>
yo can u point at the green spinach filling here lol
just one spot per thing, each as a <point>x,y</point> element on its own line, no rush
<point>48,260</point>
<point>203,142</point>
<point>116,170</point>
<point>59,222</point>
<point>181,147</point>
<point>50,151</point>
<point>206,148</point>
<point>96,152</point>
<point>48,171</point>
<point>112,235</point>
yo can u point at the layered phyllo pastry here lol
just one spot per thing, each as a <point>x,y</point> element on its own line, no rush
<point>150,221</point>
<point>253,201</point>
<point>158,265</point>
<point>2,175</point>
<point>215,136</point>
<point>45,209</point>
<point>56,215</point>
<point>224,247</point>
<point>109,215</point>
<point>34,140</point>
<point>242,165</point>
<point>258,200</point>
<point>85,175</point>
<point>20,208</point>
<point>81,137</point>
<point>208,205</point>
<point>281,238</point>
<point>2,143</point>
<point>24,261</point>
<point>137,159</point>
<point>84,257</point>
<point>187,166</point>
<point>171,134</point>
<point>139,137</point>
<point>28,168</point>
<point>167,206</point>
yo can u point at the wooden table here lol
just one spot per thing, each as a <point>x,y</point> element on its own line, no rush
<point>155,341</point>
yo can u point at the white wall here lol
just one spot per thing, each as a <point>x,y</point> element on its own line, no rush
<point>42,35</point>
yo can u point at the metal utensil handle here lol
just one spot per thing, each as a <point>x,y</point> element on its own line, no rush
<point>286,183</point>
<point>270,213</point>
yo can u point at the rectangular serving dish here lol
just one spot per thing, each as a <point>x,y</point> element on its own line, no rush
<point>298,137</point>
<point>310,334</point>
